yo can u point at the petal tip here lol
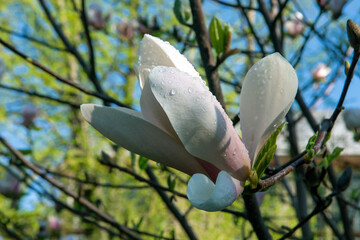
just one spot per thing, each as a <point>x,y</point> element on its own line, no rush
<point>86,111</point>
<point>205,195</point>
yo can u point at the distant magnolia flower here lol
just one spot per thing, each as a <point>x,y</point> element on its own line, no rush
<point>96,18</point>
<point>127,29</point>
<point>352,119</point>
<point>320,72</point>
<point>29,113</point>
<point>182,125</point>
<point>54,223</point>
<point>295,25</point>
<point>10,185</point>
<point>335,6</point>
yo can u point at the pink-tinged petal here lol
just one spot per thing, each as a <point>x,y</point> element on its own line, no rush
<point>199,120</point>
<point>128,129</point>
<point>268,91</point>
<point>205,195</point>
<point>155,52</point>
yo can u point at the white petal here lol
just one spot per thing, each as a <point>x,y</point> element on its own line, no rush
<point>155,52</point>
<point>199,120</point>
<point>154,113</point>
<point>128,129</point>
<point>205,195</point>
<point>268,91</point>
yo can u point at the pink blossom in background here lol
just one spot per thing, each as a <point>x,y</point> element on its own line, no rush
<point>29,113</point>
<point>320,72</point>
<point>96,18</point>
<point>127,29</point>
<point>10,185</point>
<point>54,223</point>
<point>295,25</point>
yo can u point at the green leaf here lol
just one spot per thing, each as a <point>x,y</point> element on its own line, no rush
<point>309,147</point>
<point>267,153</point>
<point>181,15</point>
<point>216,33</point>
<point>25,151</point>
<point>330,157</point>
<point>143,162</point>
<point>171,181</point>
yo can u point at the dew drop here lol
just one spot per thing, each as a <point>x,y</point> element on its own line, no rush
<point>225,154</point>
<point>234,152</point>
<point>172,92</point>
<point>158,164</point>
<point>190,90</point>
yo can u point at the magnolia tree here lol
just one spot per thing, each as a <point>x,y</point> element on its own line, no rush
<point>189,98</point>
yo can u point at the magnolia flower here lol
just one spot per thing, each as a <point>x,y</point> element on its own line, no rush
<point>54,223</point>
<point>320,72</point>
<point>336,7</point>
<point>352,118</point>
<point>10,185</point>
<point>127,29</point>
<point>29,113</point>
<point>182,125</point>
<point>96,18</point>
<point>295,25</point>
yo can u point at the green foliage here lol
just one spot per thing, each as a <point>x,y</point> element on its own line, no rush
<point>327,160</point>
<point>309,147</point>
<point>220,36</point>
<point>267,152</point>
<point>181,14</point>
<point>143,162</point>
<point>171,182</point>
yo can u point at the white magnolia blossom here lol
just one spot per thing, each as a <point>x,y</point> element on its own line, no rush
<point>182,125</point>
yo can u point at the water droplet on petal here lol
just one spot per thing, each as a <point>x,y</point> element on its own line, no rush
<point>172,92</point>
<point>190,90</point>
<point>225,154</point>
<point>234,152</point>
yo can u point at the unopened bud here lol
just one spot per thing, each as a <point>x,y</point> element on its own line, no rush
<point>347,67</point>
<point>353,31</point>
<point>344,180</point>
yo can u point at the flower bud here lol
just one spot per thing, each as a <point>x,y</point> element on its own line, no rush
<point>353,31</point>
<point>344,180</point>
